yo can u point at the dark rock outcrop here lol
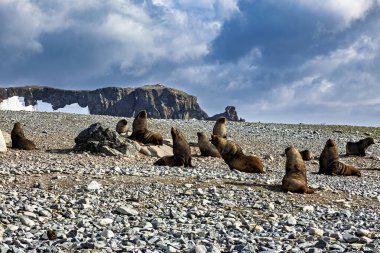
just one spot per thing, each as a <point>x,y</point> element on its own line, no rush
<point>159,101</point>
<point>97,139</point>
<point>229,113</point>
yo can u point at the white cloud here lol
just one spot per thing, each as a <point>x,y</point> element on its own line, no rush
<point>332,85</point>
<point>14,16</point>
<point>134,35</point>
<point>363,49</point>
<point>228,76</point>
<point>347,11</point>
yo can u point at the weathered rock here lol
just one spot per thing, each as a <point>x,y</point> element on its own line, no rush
<point>160,151</point>
<point>3,146</point>
<point>126,210</point>
<point>7,138</point>
<point>103,140</point>
<point>229,113</point>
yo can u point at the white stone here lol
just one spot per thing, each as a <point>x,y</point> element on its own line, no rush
<point>362,232</point>
<point>200,249</point>
<point>107,234</point>
<point>271,206</point>
<point>145,151</point>
<point>126,210</point>
<point>7,138</point>
<point>259,229</point>
<point>106,221</point>
<point>30,214</point>
<point>3,145</point>
<point>308,209</point>
<point>93,186</point>
<point>86,206</point>
<point>148,225</point>
<point>171,249</point>
<point>27,222</point>
<point>316,231</point>
<point>12,227</point>
<point>200,191</point>
<point>291,221</point>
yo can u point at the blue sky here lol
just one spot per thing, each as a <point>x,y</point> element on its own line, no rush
<point>292,61</point>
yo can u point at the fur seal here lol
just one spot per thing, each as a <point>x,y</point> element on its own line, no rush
<point>295,179</point>
<point>358,148</point>
<point>122,126</point>
<point>19,140</point>
<point>338,168</point>
<point>306,155</point>
<point>328,155</point>
<point>220,128</point>
<point>206,147</point>
<point>181,152</point>
<point>141,133</point>
<point>233,155</point>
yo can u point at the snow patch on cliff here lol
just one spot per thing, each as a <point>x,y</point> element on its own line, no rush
<point>17,104</point>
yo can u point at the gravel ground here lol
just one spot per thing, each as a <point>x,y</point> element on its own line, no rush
<point>55,200</point>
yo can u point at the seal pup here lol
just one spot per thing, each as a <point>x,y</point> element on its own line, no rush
<point>233,155</point>
<point>206,147</point>
<point>359,148</point>
<point>141,133</point>
<point>220,128</point>
<point>337,168</point>
<point>295,179</point>
<point>19,140</point>
<point>181,152</point>
<point>328,155</point>
<point>306,155</point>
<point>122,127</point>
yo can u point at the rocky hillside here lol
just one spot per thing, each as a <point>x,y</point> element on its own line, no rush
<point>159,101</point>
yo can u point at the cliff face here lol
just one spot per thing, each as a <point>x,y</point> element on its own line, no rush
<point>158,100</point>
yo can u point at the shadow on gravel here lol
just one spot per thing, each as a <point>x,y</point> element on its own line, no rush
<point>275,188</point>
<point>60,151</point>
<point>371,169</point>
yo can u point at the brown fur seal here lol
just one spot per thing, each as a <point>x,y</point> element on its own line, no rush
<point>358,148</point>
<point>141,133</point>
<point>328,155</point>
<point>122,126</point>
<point>220,128</point>
<point>181,152</point>
<point>233,155</point>
<point>295,179</point>
<point>19,140</point>
<point>206,147</point>
<point>338,168</point>
<point>306,155</point>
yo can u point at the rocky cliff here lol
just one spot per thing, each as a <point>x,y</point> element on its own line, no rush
<point>159,101</point>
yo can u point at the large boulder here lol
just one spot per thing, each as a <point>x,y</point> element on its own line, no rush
<point>98,139</point>
<point>160,151</point>
<point>7,138</point>
<point>3,145</point>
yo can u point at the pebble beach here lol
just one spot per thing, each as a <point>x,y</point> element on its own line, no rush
<point>57,200</point>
